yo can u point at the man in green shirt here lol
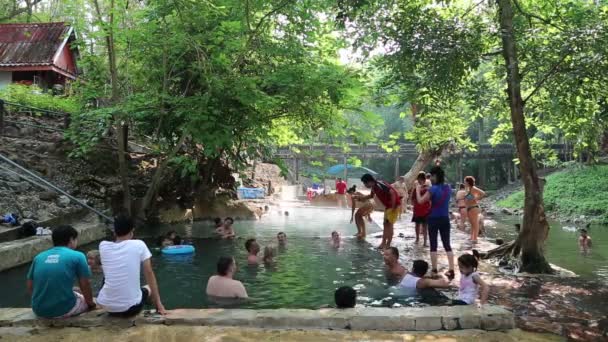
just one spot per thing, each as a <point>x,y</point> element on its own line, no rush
<point>52,276</point>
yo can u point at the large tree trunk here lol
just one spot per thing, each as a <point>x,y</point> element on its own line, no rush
<point>157,179</point>
<point>423,159</point>
<point>120,125</point>
<point>534,230</point>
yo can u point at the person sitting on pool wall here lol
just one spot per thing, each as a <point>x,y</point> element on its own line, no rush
<point>121,261</point>
<point>345,297</point>
<point>416,280</point>
<point>252,247</point>
<point>52,274</point>
<point>222,284</point>
<point>391,200</point>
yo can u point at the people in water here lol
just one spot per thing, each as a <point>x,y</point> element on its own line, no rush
<point>94,261</point>
<point>439,218</point>
<point>470,281</point>
<point>335,239</point>
<point>462,207</point>
<point>417,280</point>
<point>584,241</point>
<point>269,253</point>
<point>222,284</point>
<point>53,274</point>
<point>253,248</point>
<point>391,200</point>
<point>228,230</point>
<point>282,239</point>
<point>219,225</point>
<point>345,297</point>
<point>391,260</point>
<point>421,209</point>
<point>471,199</point>
<point>122,261</point>
<point>364,209</point>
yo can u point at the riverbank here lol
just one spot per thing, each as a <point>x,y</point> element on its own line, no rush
<point>576,194</point>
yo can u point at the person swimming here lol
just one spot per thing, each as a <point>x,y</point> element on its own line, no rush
<point>269,255</point>
<point>335,238</point>
<point>253,248</point>
<point>391,260</point>
<point>415,280</point>
<point>282,239</point>
<point>228,231</point>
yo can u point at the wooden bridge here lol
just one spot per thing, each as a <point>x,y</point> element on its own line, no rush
<point>485,151</point>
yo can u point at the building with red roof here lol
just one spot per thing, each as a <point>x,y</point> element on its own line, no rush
<point>37,53</point>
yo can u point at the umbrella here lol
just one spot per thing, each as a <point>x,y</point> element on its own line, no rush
<point>338,169</point>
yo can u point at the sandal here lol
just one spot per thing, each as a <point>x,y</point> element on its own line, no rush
<point>450,275</point>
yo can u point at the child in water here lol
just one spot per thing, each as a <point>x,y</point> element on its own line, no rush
<point>470,281</point>
<point>268,255</point>
<point>94,261</point>
<point>584,241</point>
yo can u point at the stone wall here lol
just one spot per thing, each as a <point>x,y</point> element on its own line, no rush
<point>19,252</point>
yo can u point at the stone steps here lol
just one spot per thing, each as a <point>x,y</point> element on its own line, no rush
<point>489,318</point>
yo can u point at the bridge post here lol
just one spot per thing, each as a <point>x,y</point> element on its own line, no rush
<point>345,168</point>
<point>297,169</point>
<point>396,168</point>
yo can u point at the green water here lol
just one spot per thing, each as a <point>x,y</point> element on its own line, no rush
<point>305,275</point>
<point>562,247</point>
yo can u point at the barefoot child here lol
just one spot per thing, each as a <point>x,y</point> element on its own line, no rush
<point>470,281</point>
<point>584,241</point>
<point>365,209</point>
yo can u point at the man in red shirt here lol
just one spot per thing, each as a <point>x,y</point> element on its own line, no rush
<point>391,200</point>
<point>341,192</point>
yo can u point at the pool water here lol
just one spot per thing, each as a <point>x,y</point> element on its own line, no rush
<point>305,273</point>
<point>562,247</point>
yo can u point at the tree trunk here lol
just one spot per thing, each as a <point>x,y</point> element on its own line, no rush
<point>120,124</point>
<point>157,179</point>
<point>423,159</point>
<point>534,230</point>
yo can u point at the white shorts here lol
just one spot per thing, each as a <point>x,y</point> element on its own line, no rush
<point>80,306</point>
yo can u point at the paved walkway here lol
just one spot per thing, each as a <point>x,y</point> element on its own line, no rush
<point>162,333</point>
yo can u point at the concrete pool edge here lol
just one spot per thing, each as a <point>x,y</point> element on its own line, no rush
<point>489,317</point>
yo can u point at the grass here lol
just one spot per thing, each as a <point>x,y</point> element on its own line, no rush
<point>571,193</point>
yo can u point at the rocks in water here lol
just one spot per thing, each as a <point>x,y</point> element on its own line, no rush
<point>48,195</point>
<point>507,211</point>
<point>64,201</point>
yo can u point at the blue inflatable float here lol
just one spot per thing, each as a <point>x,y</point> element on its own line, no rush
<point>178,250</point>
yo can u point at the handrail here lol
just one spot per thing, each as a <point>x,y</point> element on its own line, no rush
<point>36,109</point>
<point>52,186</point>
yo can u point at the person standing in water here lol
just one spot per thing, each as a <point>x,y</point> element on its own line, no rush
<point>462,207</point>
<point>584,241</point>
<point>421,210</point>
<point>252,247</point>
<point>472,197</point>
<point>366,207</point>
<point>391,260</point>
<point>389,197</point>
<point>439,218</point>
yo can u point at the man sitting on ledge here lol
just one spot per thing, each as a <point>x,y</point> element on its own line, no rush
<point>121,261</point>
<point>54,272</point>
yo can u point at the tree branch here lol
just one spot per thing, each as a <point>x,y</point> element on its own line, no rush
<point>470,9</point>
<point>531,15</point>
<point>20,10</point>
<point>551,72</point>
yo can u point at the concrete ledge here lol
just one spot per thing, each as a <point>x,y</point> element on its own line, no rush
<point>381,319</point>
<point>19,252</point>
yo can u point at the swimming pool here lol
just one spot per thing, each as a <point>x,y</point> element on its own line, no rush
<point>305,274</point>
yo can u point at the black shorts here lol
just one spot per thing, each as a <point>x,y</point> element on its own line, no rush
<point>419,219</point>
<point>135,309</point>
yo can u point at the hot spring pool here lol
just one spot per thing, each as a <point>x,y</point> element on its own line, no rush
<point>305,275</point>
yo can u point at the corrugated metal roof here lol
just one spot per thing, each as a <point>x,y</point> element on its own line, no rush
<point>31,44</point>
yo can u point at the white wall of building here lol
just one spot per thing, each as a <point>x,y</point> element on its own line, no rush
<point>6,77</point>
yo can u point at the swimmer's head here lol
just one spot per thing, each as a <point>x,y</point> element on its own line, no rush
<point>352,189</point>
<point>251,245</point>
<point>368,180</point>
<point>286,213</point>
<point>335,235</point>
<point>226,266</point>
<point>420,267</point>
<point>171,235</point>
<point>93,258</point>
<point>583,232</point>
<point>229,221</point>
<point>281,237</point>
<point>391,255</point>
<point>218,221</point>
<point>345,297</point>
<point>268,253</point>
